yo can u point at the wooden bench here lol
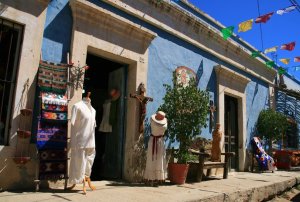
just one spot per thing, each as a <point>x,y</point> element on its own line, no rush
<point>203,164</point>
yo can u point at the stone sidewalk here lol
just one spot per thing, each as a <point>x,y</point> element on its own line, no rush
<point>240,186</point>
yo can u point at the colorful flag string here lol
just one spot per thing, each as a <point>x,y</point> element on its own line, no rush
<point>245,26</point>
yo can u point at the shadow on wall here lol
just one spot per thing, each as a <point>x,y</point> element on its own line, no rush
<point>212,88</point>
<point>130,40</point>
<point>58,32</point>
<point>17,176</point>
<point>255,93</point>
<point>248,161</point>
<point>139,159</point>
<point>127,41</point>
<point>297,116</point>
<point>280,102</point>
<point>2,8</point>
<point>288,105</point>
<point>26,6</point>
<point>147,132</point>
<point>139,153</point>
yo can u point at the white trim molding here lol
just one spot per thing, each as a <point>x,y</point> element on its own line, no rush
<point>90,13</point>
<point>234,84</point>
<point>105,34</point>
<point>172,19</point>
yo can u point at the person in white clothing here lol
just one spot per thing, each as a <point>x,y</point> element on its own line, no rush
<point>82,142</point>
<point>105,125</point>
<point>109,110</point>
<point>156,167</point>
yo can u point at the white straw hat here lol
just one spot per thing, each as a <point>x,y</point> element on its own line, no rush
<point>159,117</point>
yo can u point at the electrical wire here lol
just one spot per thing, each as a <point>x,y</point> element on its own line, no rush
<point>261,33</point>
<point>294,2</point>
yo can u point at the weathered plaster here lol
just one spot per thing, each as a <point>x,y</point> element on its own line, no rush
<point>233,84</point>
<point>185,26</point>
<point>92,32</point>
<point>32,15</point>
<point>122,30</point>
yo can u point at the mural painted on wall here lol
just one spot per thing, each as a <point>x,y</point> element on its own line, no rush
<point>184,75</point>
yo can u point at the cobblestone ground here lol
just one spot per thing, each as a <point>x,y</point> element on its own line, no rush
<point>291,195</point>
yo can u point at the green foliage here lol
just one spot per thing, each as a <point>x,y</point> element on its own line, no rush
<point>186,109</point>
<point>271,124</point>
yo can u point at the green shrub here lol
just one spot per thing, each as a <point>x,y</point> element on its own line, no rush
<point>186,109</point>
<point>271,125</point>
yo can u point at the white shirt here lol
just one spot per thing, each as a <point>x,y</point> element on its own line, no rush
<point>105,126</point>
<point>83,125</point>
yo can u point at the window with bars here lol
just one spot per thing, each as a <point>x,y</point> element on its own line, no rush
<point>10,42</point>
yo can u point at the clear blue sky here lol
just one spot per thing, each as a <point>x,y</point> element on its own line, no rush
<point>280,29</point>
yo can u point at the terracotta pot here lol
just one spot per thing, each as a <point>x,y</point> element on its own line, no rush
<point>283,159</point>
<point>21,160</point>
<point>178,172</point>
<point>26,112</point>
<point>23,133</point>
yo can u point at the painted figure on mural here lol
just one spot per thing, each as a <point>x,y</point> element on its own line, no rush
<point>143,103</point>
<point>216,143</point>
<point>156,166</point>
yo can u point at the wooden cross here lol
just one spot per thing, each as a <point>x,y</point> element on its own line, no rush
<point>143,103</point>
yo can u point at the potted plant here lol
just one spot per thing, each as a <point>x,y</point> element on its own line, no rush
<point>271,125</point>
<point>186,109</point>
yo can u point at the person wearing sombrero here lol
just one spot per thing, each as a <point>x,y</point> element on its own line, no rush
<point>156,167</point>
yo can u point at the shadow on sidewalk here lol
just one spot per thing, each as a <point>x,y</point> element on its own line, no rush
<point>127,184</point>
<point>43,190</point>
<point>167,183</point>
<point>296,198</point>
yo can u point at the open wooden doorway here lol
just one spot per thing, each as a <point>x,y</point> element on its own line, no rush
<point>102,76</point>
<point>231,129</point>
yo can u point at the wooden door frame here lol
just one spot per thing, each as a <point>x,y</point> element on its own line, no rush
<point>234,84</point>
<point>237,136</point>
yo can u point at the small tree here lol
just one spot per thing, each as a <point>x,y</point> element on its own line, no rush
<point>186,108</point>
<point>271,125</point>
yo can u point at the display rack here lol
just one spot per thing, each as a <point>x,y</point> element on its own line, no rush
<point>52,127</point>
<point>23,133</point>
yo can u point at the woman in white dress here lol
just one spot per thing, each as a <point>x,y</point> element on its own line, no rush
<point>156,167</point>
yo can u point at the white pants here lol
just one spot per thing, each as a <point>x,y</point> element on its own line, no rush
<point>82,160</point>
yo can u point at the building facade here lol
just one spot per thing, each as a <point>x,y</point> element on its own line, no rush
<point>288,103</point>
<point>126,43</point>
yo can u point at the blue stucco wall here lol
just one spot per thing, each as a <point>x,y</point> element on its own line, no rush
<point>257,94</point>
<point>56,43</point>
<point>57,33</point>
<point>166,52</point>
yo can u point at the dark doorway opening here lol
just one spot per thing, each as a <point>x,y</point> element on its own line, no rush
<point>10,45</point>
<point>103,76</point>
<point>231,129</point>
